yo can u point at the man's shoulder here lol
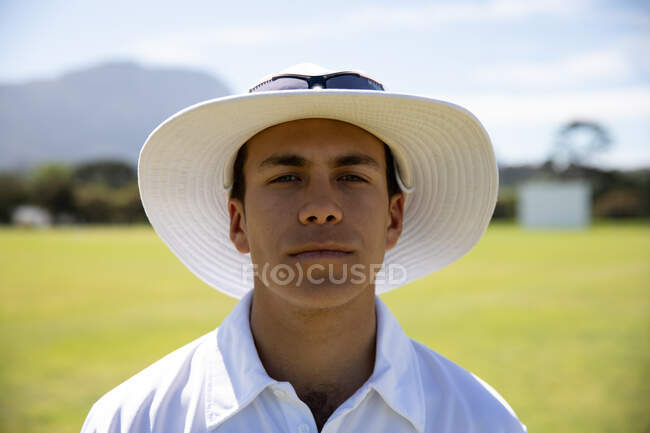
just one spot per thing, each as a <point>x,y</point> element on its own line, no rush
<point>153,394</point>
<point>461,396</point>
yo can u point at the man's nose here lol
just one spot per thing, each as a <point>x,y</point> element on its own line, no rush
<point>319,214</point>
<point>320,208</point>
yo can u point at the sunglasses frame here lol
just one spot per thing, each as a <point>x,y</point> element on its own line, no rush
<point>318,80</point>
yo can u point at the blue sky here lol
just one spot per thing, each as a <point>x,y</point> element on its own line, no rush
<point>522,67</point>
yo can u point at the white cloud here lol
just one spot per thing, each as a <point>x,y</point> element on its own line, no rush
<point>620,157</point>
<point>624,58</point>
<point>523,127</point>
<point>636,47</point>
<point>609,63</point>
<point>504,109</point>
<point>191,45</point>
<point>425,15</point>
<point>369,19</point>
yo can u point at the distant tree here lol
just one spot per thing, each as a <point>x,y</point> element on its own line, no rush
<point>51,186</point>
<point>13,192</point>
<point>506,203</point>
<point>103,191</point>
<point>128,205</point>
<point>93,202</point>
<point>114,174</point>
<point>621,203</point>
<point>98,203</point>
<point>576,142</point>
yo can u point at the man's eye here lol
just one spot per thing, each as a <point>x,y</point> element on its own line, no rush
<point>352,177</point>
<point>283,179</point>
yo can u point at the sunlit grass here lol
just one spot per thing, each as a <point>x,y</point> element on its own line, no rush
<point>557,321</point>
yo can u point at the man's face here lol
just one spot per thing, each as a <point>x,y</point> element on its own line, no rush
<point>316,205</point>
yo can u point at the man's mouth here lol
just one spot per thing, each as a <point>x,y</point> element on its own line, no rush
<point>321,254</point>
<point>321,251</point>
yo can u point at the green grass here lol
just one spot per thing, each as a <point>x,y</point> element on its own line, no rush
<point>557,321</point>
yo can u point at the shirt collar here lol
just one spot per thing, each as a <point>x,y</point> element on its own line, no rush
<point>235,375</point>
<point>396,375</point>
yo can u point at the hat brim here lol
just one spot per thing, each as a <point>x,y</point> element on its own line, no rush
<point>443,152</point>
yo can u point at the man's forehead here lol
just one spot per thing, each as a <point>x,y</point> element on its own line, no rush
<point>315,139</point>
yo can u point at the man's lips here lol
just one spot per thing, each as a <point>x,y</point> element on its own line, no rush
<point>321,254</point>
<point>321,251</point>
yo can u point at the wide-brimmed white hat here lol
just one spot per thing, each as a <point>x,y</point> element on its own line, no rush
<point>444,163</point>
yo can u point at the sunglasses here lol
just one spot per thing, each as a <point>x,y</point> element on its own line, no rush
<point>337,80</point>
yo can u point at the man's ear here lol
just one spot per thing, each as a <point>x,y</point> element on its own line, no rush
<point>238,225</point>
<point>396,216</point>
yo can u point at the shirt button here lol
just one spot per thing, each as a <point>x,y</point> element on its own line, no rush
<point>303,428</point>
<point>280,394</point>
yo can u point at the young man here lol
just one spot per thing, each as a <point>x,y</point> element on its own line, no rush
<point>333,190</point>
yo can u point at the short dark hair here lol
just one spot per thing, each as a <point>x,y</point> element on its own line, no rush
<point>239,187</point>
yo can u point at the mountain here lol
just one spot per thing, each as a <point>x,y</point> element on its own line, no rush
<point>106,111</point>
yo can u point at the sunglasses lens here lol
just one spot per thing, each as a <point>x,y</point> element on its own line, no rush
<point>284,83</point>
<point>352,82</point>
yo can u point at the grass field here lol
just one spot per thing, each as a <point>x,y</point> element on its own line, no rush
<point>557,321</point>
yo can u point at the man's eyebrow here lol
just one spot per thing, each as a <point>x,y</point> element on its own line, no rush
<point>293,160</point>
<point>284,159</point>
<point>355,159</point>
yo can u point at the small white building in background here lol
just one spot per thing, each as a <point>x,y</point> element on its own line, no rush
<point>554,204</point>
<point>31,216</point>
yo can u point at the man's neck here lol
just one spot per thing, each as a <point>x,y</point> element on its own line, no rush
<point>326,355</point>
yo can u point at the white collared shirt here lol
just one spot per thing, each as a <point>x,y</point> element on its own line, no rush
<point>218,384</point>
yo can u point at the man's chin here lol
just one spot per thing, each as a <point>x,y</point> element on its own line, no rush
<point>322,283</point>
<point>322,294</point>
